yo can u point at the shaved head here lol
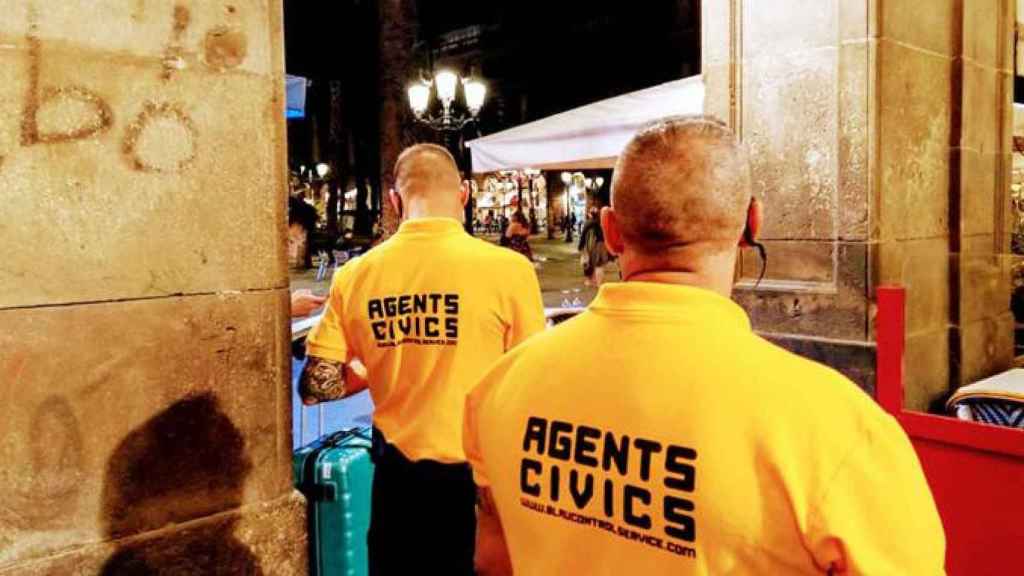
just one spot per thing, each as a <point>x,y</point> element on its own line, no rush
<point>680,181</point>
<point>427,171</point>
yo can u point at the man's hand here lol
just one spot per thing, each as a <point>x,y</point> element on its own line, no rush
<point>305,303</point>
<point>491,557</point>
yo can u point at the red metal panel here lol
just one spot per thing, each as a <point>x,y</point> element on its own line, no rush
<point>889,328</point>
<point>980,496</point>
<point>976,471</point>
<point>963,434</point>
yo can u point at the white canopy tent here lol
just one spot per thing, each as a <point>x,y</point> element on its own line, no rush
<point>590,136</point>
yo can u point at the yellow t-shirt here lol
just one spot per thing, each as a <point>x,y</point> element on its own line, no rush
<point>657,434</point>
<point>427,312</point>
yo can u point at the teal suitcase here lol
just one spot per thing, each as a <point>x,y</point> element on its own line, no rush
<point>336,475</point>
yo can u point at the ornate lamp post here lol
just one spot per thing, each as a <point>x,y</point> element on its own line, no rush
<point>445,85</point>
<point>448,121</point>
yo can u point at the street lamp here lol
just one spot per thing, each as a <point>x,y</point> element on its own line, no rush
<point>445,84</point>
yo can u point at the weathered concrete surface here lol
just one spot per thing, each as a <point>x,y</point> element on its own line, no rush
<point>795,83</point>
<point>923,268</point>
<point>986,347</point>
<point>914,116</point>
<point>856,360</point>
<point>880,136</point>
<point>155,29</point>
<point>811,288</point>
<point>139,150</point>
<point>123,417</point>
<point>265,539</point>
<point>927,365</point>
<point>983,332</point>
<point>144,401</point>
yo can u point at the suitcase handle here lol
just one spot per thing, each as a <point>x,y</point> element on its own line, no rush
<point>341,435</point>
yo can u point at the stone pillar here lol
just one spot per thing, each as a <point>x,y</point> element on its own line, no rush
<point>983,325</point>
<point>144,392</point>
<point>855,112</point>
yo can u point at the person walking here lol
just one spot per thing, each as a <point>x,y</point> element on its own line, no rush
<point>593,252</point>
<point>656,433</point>
<point>425,312</point>
<point>518,235</point>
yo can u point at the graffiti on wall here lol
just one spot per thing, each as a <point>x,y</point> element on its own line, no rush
<point>161,136</point>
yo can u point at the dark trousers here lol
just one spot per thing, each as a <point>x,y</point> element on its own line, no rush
<point>423,518</point>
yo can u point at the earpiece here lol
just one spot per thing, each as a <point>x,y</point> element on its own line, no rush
<point>754,218</point>
<point>748,239</point>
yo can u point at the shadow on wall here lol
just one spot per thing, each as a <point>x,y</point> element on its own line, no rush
<point>187,462</point>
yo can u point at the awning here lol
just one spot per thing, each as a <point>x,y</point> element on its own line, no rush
<point>590,136</point>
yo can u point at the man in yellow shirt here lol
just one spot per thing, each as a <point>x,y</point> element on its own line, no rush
<point>657,434</point>
<point>426,312</point>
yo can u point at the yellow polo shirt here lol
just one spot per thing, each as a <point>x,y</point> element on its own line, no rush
<point>657,434</point>
<point>427,312</point>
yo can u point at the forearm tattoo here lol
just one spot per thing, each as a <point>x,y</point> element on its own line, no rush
<point>322,380</point>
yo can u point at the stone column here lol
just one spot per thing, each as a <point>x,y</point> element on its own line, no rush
<point>980,191</point>
<point>144,392</point>
<point>852,112</point>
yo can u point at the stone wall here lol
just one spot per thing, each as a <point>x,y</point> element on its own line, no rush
<point>792,81</point>
<point>144,402</point>
<point>983,325</point>
<point>879,146</point>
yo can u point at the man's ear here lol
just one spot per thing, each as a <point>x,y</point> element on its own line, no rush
<point>396,202</point>
<point>755,216</point>
<point>612,232</point>
<point>464,194</point>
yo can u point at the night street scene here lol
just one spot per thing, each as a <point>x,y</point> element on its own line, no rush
<point>439,287</point>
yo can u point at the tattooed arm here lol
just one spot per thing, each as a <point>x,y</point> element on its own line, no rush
<point>491,551</point>
<point>322,380</point>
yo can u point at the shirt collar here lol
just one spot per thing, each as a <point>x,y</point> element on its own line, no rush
<point>669,301</point>
<point>430,227</point>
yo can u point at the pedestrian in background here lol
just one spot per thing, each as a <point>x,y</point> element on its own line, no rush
<point>593,251</point>
<point>518,234</point>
